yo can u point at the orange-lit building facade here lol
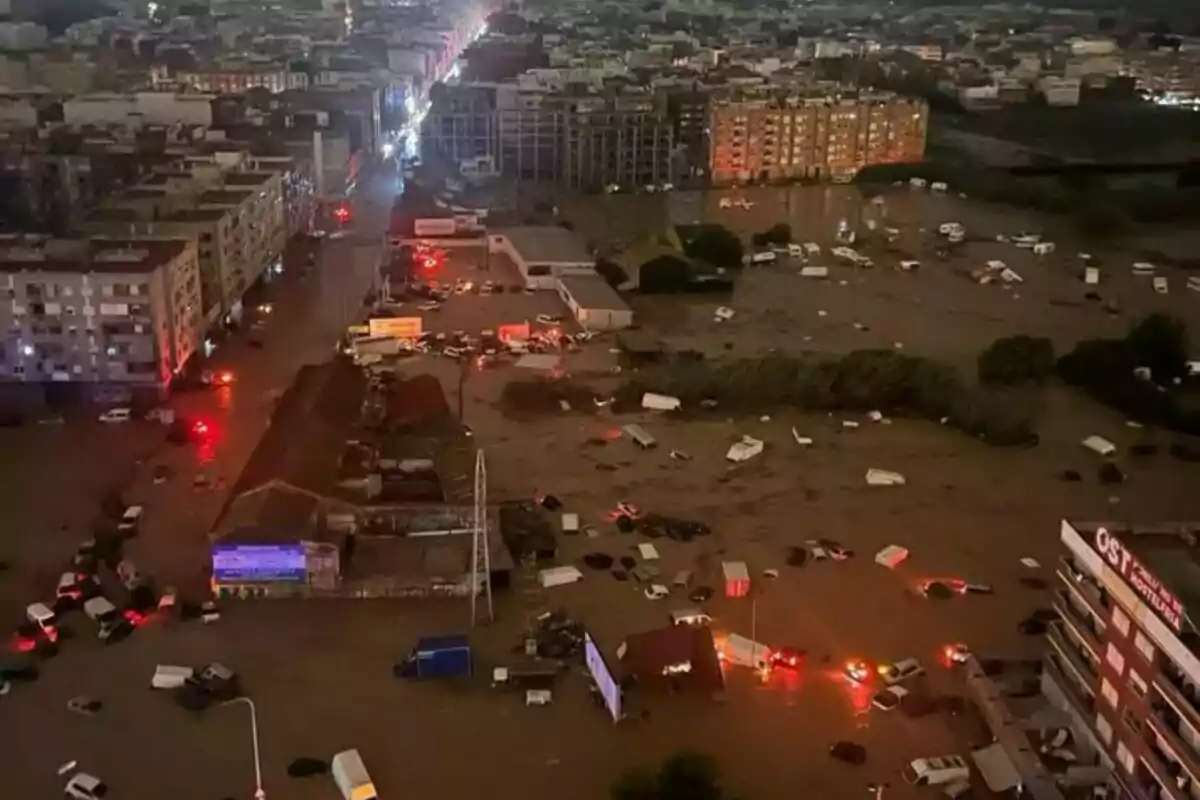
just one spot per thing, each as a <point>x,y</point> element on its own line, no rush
<point>765,139</point>
<point>1123,659</point>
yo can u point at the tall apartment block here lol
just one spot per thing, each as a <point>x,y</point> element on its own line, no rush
<point>826,137</point>
<point>580,141</point>
<point>1125,658</point>
<point>108,314</point>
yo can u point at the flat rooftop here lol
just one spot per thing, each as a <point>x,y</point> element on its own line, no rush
<point>593,292</point>
<point>225,197</point>
<point>109,256</point>
<point>546,244</point>
<point>1169,550</point>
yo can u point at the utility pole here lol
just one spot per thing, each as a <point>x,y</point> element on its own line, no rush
<point>481,555</point>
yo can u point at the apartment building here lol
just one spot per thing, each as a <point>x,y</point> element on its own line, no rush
<point>581,141</point>
<point>238,78</point>
<point>793,137</point>
<point>139,109</point>
<point>1124,660</point>
<point>109,313</point>
<point>237,218</point>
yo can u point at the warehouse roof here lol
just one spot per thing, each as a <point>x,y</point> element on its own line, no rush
<point>546,244</point>
<point>593,292</point>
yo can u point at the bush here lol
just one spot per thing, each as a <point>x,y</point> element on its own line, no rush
<point>612,272</point>
<point>1160,342</point>
<point>717,245</point>
<point>665,275</point>
<point>684,776</point>
<point>1016,360</point>
<point>860,381</point>
<point>1104,369</point>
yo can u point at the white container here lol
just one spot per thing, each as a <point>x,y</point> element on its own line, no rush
<point>559,576</point>
<point>814,272</point>
<point>1099,445</point>
<point>745,652</point>
<point>1160,285</point>
<point>891,556</point>
<point>351,777</point>
<point>660,402</point>
<point>570,523</point>
<point>1091,276</point>
<point>648,552</point>
<point>169,677</point>
<point>746,449</point>
<point>884,477</point>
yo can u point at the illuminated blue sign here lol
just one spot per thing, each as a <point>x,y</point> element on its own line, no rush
<point>244,563</point>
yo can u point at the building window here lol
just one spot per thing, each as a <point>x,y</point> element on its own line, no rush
<point>1109,692</point>
<point>1115,659</point>
<point>1143,646</point>
<point>1125,757</point>
<point>1105,729</point>
<point>1120,620</point>
<point>1137,683</point>
<point>1131,722</point>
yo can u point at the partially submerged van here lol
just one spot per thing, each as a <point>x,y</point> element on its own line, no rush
<point>936,771</point>
<point>640,436</point>
<point>690,616</point>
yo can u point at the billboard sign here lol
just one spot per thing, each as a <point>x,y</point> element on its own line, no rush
<point>435,226</point>
<point>273,563</point>
<point>606,682</point>
<point>395,327</point>
<point>1143,581</point>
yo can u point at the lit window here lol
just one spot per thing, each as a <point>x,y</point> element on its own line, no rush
<point>1115,659</point>
<point>1125,758</point>
<point>1109,692</point>
<point>1120,620</point>
<point>1143,646</point>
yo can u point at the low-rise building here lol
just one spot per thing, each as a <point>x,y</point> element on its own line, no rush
<point>543,254</point>
<point>138,109</point>
<point>595,305</point>
<point>109,313</point>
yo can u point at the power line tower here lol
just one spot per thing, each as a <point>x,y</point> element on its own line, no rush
<point>481,557</point>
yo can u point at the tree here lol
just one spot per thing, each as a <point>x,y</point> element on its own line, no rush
<point>612,272</point>
<point>1014,360</point>
<point>717,245</point>
<point>665,275</point>
<point>1160,342</point>
<point>687,775</point>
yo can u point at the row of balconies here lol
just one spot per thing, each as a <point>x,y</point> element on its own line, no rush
<point>1174,717</point>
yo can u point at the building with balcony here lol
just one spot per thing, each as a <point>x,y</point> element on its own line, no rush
<point>108,314</point>
<point>817,137</point>
<point>1124,657</point>
<point>234,78</point>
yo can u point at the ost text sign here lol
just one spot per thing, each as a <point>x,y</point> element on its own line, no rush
<point>1143,581</point>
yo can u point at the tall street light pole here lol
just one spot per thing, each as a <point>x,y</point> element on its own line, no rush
<point>259,794</point>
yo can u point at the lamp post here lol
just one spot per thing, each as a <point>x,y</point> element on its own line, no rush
<point>877,789</point>
<point>259,794</point>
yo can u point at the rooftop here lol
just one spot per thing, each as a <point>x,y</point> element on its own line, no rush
<point>113,256</point>
<point>224,197</point>
<point>546,244</point>
<point>593,292</point>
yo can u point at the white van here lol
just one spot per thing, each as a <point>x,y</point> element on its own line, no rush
<point>44,617</point>
<point>350,775</point>
<point>169,677</point>
<point>764,257</point>
<point>900,671</point>
<point>936,771</point>
<point>116,415</point>
<point>690,616</point>
<point>795,250</point>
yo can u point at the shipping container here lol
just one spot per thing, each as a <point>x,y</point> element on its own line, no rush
<point>737,578</point>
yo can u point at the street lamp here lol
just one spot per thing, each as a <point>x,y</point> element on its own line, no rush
<point>259,794</point>
<point>877,789</point>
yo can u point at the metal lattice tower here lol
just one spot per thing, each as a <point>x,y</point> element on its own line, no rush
<point>481,557</point>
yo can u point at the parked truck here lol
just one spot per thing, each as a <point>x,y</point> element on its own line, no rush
<point>437,657</point>
<point>350,775</point>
